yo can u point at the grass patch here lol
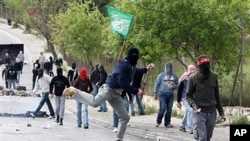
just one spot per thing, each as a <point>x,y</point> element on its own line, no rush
<point>241,120</point>
<point>176,114</point>
<point>149,109</point>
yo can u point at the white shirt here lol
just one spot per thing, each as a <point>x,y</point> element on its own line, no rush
<point>42,83</point>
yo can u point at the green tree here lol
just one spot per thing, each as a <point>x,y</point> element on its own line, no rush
<point>38,20</point>
<point>187,29</point>
<point>79,31</point>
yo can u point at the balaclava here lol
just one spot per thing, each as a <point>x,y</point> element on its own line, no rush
<point>204,65</point>
<point>73,66</point>
<point>133,56</point>
<point>168,68</point>
<point>40,73</point>
<point>100,67</point>
<point>83,73</point>
<point>59,71</point>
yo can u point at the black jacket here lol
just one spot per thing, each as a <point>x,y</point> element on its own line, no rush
<point>95,75</point>
<point>58,83</point>
<point>11,73</point>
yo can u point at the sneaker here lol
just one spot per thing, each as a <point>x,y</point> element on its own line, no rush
<point>133,114</point>
<point>50,117</point>
<point>85,127</point>
<point>141,114</point>
<point>190,132</point>
<point>182,129</point>
<point>115,130</point>
<point>128,124</point>
<point>105,110</point>
<point>169,126</point>
<point>157,125</point>
<point>79,126</point>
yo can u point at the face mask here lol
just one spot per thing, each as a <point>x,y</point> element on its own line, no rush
<point>59,71</point>
<point>133,56</point>
<point>133,59</point>
<point>205,68</point>
<point>169,67</point>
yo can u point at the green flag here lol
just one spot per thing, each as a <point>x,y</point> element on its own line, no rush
<point>120,22</point>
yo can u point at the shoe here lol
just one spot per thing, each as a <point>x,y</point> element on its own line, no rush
<point>190,132</point>
<point>105,110</point>
<point>133,114</point>
<point>115,130</point>
<point>99,110</point>
<point>182,129</point>
<point>50,117</point>
<point>128,124</point>
<point>61,121</point>
<point>157,125</point>
<point>79,126</point>
<point>141,114</point>
<point>169,126</point>
<point>57,119</point>
<point>69,91</point>
<point>85,127</point>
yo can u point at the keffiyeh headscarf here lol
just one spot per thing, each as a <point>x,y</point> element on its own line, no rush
<point>191,69</point>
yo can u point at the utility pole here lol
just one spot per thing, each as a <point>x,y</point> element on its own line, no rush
<point>242,61</point>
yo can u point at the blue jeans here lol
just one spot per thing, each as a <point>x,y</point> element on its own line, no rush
<point>138,101</point>
<point>45,99</point>
<point>103,106</point>
<point>187,119</point>
<point>46,71</point>
<point>166,104</point>
<point>79,114</point>
<point>115,116</point>
<point>18,76</point>
<point>12,82</point>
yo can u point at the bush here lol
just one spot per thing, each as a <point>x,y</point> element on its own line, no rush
<point>242,120</point>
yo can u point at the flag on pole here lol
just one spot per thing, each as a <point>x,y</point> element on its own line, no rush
<point>120,22</point>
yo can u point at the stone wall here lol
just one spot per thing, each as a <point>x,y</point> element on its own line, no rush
<point>231,113</point>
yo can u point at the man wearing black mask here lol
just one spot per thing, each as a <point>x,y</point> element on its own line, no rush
<point>203,96</point>
<point>58,84</point>
<point>43,84</point>
<point>119,80</point>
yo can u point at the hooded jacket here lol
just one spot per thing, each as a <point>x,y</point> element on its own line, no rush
<point>166,81</point>
<point>95,75</point>
<point>121,77</point>
<point>72,73</point>
<point>103,74</point>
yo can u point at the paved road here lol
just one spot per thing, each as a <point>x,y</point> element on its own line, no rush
<point>13,128</point>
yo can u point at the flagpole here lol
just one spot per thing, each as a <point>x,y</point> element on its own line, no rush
<point>122,49</point>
